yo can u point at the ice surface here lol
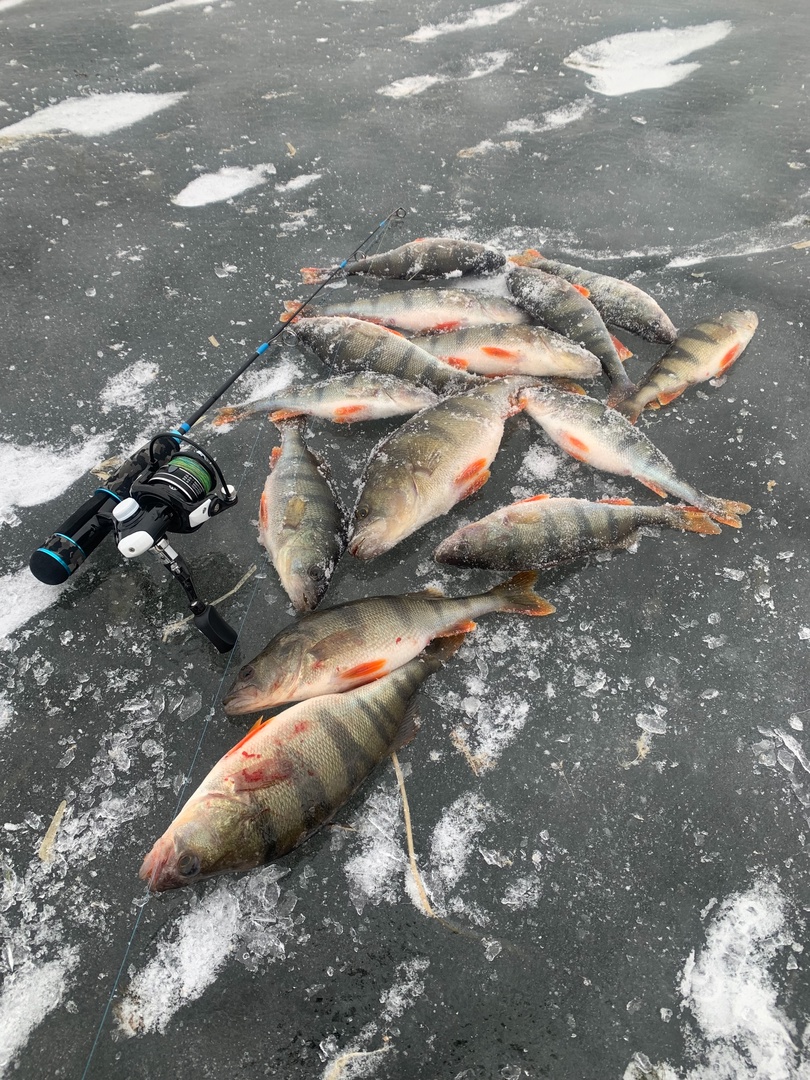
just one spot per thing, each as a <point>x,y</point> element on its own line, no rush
<point>645,59</point>
<point>484,16</point>
<point>226,183</point>
<point>452,842</point>
<point>27,997</point>
<point>31,475</point>
<point>375,872</point>
<point>172,5</point>
<point>98,114</point>
<point>23,598</point>
<point>126,389</point>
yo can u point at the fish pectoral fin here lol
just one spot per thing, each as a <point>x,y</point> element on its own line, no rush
<point>344,414</point>
<point>275,454</point>
<point>581,289</point>
<point>621,349</point>
<point>264,511</point>
<point>262,774</point>
<point>408,727</point>
<point>369,670</point>
<point>573,446</point>
<point>294,512</point>
<point>259,724</point>
<point>282,414</point>
<point>331,645</point>
<point>667,396</point>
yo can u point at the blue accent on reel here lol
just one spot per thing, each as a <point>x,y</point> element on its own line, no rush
<point>183,428</point>
<point>108,492</point>
<point>71,540</point>
<point>58,558</point>
<point>263,348</point>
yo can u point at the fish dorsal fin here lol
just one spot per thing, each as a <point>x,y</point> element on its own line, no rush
<point>581,289</point>
<point>532,498</point>
<point>617,501</point>
<point>408,727</point>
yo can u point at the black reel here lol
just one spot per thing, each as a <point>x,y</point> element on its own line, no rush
<point>176,495</point>
<point>161,488</point>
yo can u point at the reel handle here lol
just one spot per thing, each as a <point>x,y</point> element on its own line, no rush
<point>68,546</point>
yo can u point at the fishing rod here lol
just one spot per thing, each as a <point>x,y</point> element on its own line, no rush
<point>170,485</point>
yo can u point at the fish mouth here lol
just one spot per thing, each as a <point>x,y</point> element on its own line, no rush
<point>368,546</point>
<point>245,699</point>
<point>155,870</point>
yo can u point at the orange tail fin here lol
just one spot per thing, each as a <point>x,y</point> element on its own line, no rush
<point>518,595</point>
<point>293,309</point>
<point>727,512</point>
<point>691,520</point>
<point>314,275</point>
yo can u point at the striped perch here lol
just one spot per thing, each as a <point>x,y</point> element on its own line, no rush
<point>344,399</point>
<point>563,307</point>
<point>301,523</point>
<point>617,301</point>
<point>511,350</point>
<point>420,260</point>
<point>352,345</point>
<point>337,649</point>
<point>541,531</point>
<point>704,352</point>
<point>288,776</point>
<point>420,310</point>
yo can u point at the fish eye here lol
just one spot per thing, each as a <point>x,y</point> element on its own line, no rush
<point>362,512</point>
<point>188,865</point>
<point>247,672</point>
<point>315,572</point>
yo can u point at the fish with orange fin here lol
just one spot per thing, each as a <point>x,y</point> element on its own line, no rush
<point>511,350</point>
<point>336,649</point>
<point>542,531</point>
<point>354,345</point>
<point>344,399</point>
<point>289,776</point>
<point>619,302</point>
<point>437,458</point>
<point>561,306</point>
<point>301,523</point>
<point>420,310</point>
<point>420,260</point>
<point>705,351</point>
<point>604,439</point>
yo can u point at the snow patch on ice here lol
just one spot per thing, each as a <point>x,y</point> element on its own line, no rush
<point>298,182</point>
<point>31,475</point>
<point>28,996</point>
<point>485,16</point>
<point>5,5</point>
<point>452,841</point>
<point>23,598</point>
<point>251,915</point>
<point>99,114</point>
<point>375,872</point>
<point>226,183</point>
<point>417,84</point>
<point>172,5</point>
<point>552,120</point>
<point>487,146</point>
<point>751,242</point>
<point>729,987</point>
<point>125,390</point>
<point>644,59</point>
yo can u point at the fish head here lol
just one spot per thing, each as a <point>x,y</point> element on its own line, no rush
<point>462,546</point>
<point>305,578</point>
<point>214,832</point>
<point>382,517</point>
<point>744,321</point>
<point>269,679</point>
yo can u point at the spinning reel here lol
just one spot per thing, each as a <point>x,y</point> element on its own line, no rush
<point>163,488</point>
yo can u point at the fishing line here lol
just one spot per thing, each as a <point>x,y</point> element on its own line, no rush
<point>381,228</point>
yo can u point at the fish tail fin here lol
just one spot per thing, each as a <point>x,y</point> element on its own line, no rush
<point>571,387</point>
<point>726,511</point>
<point>690,519</point>
<point>441,649</point>
<point>314,275</point>
<point>630,408</point>
<point>518,595</point>
<point>619,392</point>
<point>228,415</point>
<point>295,309</point>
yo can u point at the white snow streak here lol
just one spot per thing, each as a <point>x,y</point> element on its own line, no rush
<point>486,16</point>
<point>226,183</point>
<point>23,598</point>
<point>99,114</point>
<point>6,4</point>
<point>31,475</point>
<point>298,182</point>
<point>417,84</point>
<point>28,996</point>
<point>172,5</point>
<point>552,120</point>
<point>644,60</point>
